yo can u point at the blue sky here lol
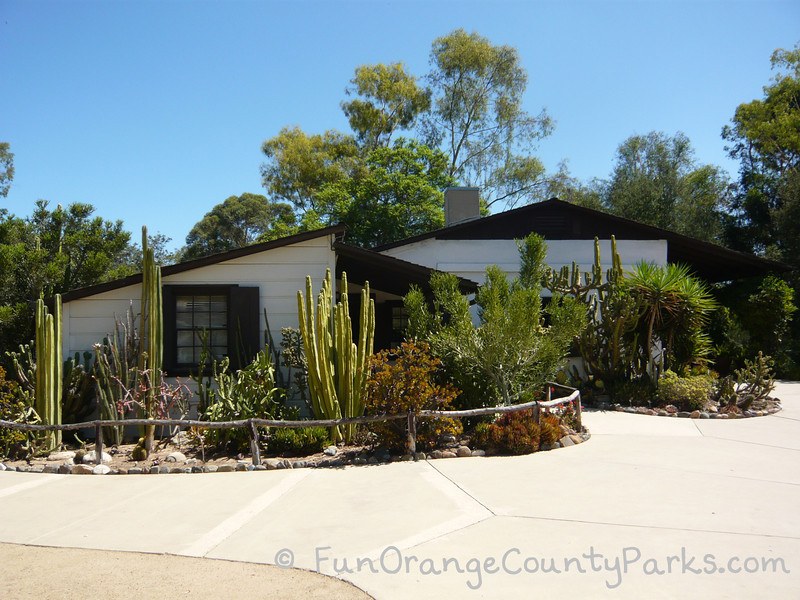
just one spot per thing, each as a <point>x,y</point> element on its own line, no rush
<point>155,111</point>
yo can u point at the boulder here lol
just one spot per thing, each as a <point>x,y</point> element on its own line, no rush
<point>463,451</point>
<point>175,457</point>
<point>566,441</point>
<point>101,470</point>
<point>82,470</point>
<point>89,457</point>
<point>330,451</point>
<point>61,456</point>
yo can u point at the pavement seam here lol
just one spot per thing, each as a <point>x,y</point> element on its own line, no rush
<point>226,528</point>
<point>714,437</point>
<point>92,517</point>
<point>461,488</point>
<point>27,485</point>
<point>659,527</point>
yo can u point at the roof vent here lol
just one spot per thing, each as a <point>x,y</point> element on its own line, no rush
<point>461,204</point>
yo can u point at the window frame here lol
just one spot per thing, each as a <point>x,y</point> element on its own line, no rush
<point>235,317</point>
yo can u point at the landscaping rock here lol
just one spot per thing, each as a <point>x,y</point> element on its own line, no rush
<point>82,470</point>
<point>671,409</point>
<point>287,464</point>
<point>135,471</point>
<point>240,466</point>
<point>576,438</point>
<point>272,463</point>
<point>448,454</point>
<point>662,413</point>
<point>163,470</point>
<point>65,469</point>
<point>407,458</point>
<point>154,470</point>
<point>447,439</point>
<point>175,457</point>
<point>419,456</point>
<point>257,468</point>
<point>463,451</point>
<point>250,467</point>
<point>210,469</point>
<point>61,456</point>
<point>705,415</point>
<point>619,408</point>
<point>89,457</point>
<point>566,441</point>
<point>101,470</point>
<point>2,467</point>
<point>197,469</point>
<point>372,460</point>
<point>358,460</point>
<point>191,461</point>
<point>722,415</point>
<point>684,414</point>
<point>436,454</point>
<point>177,470</point>
<point>330,451</point>
<point>50,469</point>
<point>713,409</point>
<point>479,453</point>
<point>225,469</point>
<point>695,414</point>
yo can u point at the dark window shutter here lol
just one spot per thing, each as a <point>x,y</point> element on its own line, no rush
<point>244,326</point>
<point>168,307</point>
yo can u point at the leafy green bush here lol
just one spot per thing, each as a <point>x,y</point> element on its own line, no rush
<point>633,393</point>
<point>402,380</point>
<point>517,345</point>
<point>249,393</point>
<point>480,436</point>
<point>687,393</point>
<point>13,443</point>
<point>306,440</point>
<point>515,433</point>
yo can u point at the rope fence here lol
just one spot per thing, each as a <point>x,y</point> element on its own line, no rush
<point>252,425</point>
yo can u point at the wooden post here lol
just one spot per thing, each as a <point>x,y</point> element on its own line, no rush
<point>254,449</point>
<point>537,414</point>
<point>98,444</point>
<point>412,433</point>
<point>578,413</point>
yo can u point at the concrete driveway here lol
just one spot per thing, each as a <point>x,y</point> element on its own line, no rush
<point>650,507</point>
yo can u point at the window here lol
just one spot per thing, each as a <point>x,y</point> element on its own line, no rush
<point>200,319</point>
<point>225,318</point>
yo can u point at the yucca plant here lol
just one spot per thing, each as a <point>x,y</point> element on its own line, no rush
<point>674,307</point>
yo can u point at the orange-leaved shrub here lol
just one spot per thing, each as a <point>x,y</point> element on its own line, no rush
<point>515,433</point>
<point>402,380</point>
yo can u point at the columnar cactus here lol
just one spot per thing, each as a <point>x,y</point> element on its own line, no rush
<point>49,367</point>
<point>152,331</point>
<point>337,367</point>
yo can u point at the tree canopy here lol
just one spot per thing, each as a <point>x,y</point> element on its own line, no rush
<point>764,135</point>
<point>477,117</point>
<point>239,221</point>
<point>6,168</point>
<point>656,180</point>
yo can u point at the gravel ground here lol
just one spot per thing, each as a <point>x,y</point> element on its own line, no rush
<point>68,573</point>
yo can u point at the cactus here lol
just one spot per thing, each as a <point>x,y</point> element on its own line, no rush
<point>49,368</point>
<point>337,367</point>
<point>608,344</point>
<point>152,333</point>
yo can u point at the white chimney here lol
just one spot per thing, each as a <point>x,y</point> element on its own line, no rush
<point>461,204</point>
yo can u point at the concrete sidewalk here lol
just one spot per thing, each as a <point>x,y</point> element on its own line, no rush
<point>653,491</point>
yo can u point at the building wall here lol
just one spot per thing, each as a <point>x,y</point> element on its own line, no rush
<point>469,258</point>
<point>279,273</point>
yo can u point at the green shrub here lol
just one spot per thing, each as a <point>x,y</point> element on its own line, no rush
<point>402,380</point>
<point>13,443</point>
<point>249,393</point>
<point>687,393</point>
<point>515,433</point>
<point>633,393</point>
<point>305,440</point>
<point>480,436</point>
